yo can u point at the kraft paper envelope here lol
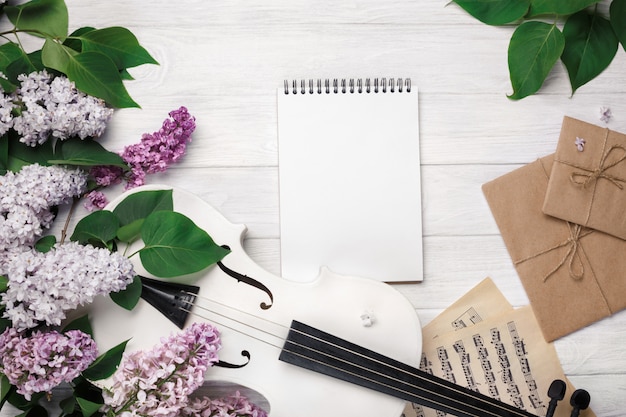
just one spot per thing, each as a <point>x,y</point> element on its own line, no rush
<point>573,275</point>
<point>588,181</point>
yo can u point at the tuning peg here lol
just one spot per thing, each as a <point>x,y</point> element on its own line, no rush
<point>556,392</point>
<point>580,400</point>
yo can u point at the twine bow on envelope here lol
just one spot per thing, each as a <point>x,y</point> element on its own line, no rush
<point>572,257</point>
<point>585,178</point>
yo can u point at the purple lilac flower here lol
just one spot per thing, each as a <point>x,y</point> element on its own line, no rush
<point>43,286</point>
<point>234,406</point>
<point>96,200</point>
<point>154,153</point>
<point>605,114</point>
<point>158,382</point>
<point>42,361</point>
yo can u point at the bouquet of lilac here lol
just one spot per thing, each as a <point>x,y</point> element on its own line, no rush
<point>55,104</point>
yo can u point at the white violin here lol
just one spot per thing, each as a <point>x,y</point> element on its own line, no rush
<point>339,345</point>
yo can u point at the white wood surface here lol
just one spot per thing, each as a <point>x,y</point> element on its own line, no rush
<point>224,60</point>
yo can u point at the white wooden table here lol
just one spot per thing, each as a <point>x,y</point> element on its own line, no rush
<point>224,60</point>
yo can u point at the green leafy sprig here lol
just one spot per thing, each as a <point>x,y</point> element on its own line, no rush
<point>96,60</point>
<point>586,43</point>
<point>173,244</point>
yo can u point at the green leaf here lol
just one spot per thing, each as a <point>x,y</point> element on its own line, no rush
<point>9,53</point>
<point>98,227</point>
<point>44,17</point>
<point>21,154</point>
<point>96,74</point>
<point>25,64</point>
<point>590,45</point>
<point>87,407</point>
<point>73,40</point>
<point>533,50</point>
<point>495,12</point>
<point>119,44</point>
<point>45,243</point>
<point>105,364</point>
<point>128,297</point>
<point>56,56</point>
<point>130,232</point>
<point>87,152</point>
<point>176,246</point>
<point>558,7</point>
<point>4,153</point>
<point>5,387</point>
<point>141,204</point>
<point>618,20</point>
<point>82,323</point>
<point>4,283</point>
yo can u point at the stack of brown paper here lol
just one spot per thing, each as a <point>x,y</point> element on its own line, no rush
<point>572,274</point>
<point>588,180</point>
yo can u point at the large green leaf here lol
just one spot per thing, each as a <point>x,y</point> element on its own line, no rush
<point>81,323</point>
<point>9,52</point>
<point>590,45</point>
<point>87,407</point>
<point>618,20</point>
<point>87,152</point>
<point>4,283</point>
<point>129,296</point>
<point>5,387</point>
<point>24,64</point>
<point>176,246</point>
<point>21,154</point>
<point>117,43</point>
<point>96,74</point>
<point>533,50</point>
<point>558,7</point>
<point>56,56</point>
<point>44,17</point>
<point>495,12</point>
<point>96,228</point>
<point>105,364</point>
<point>139,205</point>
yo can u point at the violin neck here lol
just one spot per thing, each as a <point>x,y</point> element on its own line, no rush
<point>316,350</point>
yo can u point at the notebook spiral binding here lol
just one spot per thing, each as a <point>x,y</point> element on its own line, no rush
<point>378,85</point>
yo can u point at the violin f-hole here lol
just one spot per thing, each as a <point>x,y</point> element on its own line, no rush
<point>248,280</point>
<point>223,364</point>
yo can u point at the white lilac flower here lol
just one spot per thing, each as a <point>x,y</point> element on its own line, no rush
<point>27,196</point>
<point>43,286</point>
<point>158,382</point>
<point>43,360</point>
<point>6,115</point>
<point>53,107</point>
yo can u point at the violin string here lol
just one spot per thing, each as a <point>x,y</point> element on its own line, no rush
<point>388,376</point>
<point>222,323</point>
<point>521,413</point>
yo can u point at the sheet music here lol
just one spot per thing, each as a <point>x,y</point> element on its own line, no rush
<point>493,349</point>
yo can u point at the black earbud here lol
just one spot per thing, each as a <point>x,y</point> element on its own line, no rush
<point>556,392</point>
<point>580,400</point>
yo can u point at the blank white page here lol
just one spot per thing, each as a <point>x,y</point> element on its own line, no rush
<point>350,188</point>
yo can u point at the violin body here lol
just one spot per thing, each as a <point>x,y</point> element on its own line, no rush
<point>366,312</point>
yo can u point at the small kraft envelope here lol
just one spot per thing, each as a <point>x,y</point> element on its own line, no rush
<point>588,181</point>
<point>573,275</point>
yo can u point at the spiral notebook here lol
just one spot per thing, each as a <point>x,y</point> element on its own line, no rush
<point>349,172</point>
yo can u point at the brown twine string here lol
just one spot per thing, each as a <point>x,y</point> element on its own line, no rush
<point>593,175</point>
<point>572,255</point>
<point>584,178</point>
